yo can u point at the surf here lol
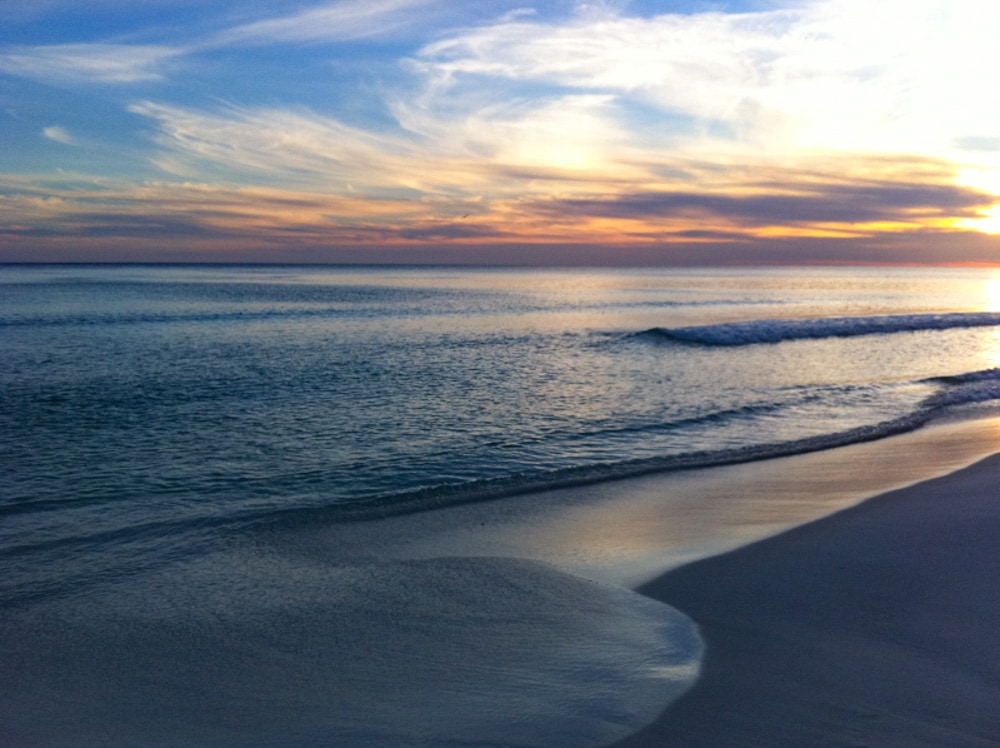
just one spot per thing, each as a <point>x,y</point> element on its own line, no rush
<point>760,331</point>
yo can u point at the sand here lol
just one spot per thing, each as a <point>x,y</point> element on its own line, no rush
<point>876,626</point>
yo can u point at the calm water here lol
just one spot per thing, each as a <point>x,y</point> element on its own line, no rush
<point>151,416</point>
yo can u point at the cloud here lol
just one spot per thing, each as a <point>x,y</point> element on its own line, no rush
<point>60,135</point>
<point>844,204</point>
<point>88,63</point>
<point>81,206</point>
<point>978,143</point>
<point>544,172</point>
<point>839,74</point>
<point>275,146</point>
<point>520,149</point>
<point>340,21</point>
<point>449,231</point>
<point>573,137</point>
<point>77,217</point>
<point>111,63</point>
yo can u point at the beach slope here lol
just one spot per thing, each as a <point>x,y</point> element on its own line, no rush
<point>877,626</point>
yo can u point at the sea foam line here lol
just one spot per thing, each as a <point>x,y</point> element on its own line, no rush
<point>491,489</point>
<point>780,330</point>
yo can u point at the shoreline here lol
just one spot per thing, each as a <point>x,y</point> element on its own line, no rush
<point>630,531</point>
<point>875,625</point>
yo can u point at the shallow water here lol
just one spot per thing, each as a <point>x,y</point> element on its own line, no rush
<point>240,649</point>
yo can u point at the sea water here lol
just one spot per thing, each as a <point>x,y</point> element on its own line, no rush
<point>160,424</point>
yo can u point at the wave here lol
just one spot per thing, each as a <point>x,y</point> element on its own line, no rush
<point>490,489</point>
<point>710,417</point>
<point>963,389</point>
<point>96,319</point>
<point>306,308</point>
<point>983,375</point>
<point>754,332</point>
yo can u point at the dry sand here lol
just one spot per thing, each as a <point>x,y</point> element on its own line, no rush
<point>876,626</point>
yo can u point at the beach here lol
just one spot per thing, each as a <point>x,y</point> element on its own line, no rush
<point>876,626</point>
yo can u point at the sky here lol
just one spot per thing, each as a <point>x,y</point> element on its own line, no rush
<point>682,132</point>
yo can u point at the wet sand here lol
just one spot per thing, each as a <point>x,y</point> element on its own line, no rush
<point>876,626</point>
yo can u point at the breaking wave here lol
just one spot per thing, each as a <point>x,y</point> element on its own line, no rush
<point>779,330</point>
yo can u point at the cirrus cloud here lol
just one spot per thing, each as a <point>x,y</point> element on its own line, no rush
<point>88,63</point>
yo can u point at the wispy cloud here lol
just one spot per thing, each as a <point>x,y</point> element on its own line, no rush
<point>88,63</point>
<point>517,149</point>
<point>558,170</point>
<point>59,134</point>
<point>118,63</point>
<point>338,21</point>
<point>79,206</point>
<point>274,146</point>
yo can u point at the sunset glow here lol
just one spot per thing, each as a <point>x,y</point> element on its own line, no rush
<point>424,131</point>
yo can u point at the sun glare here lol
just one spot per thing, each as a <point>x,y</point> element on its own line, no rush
<point>991,294</point>
<point>989,223</point>
<point>987,180</point>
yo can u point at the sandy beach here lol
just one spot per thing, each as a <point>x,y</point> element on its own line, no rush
<point>876,626</point>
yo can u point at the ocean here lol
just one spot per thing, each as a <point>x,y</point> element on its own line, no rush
<point>174,439</point>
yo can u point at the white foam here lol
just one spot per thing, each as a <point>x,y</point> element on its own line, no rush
<point>779,330</point>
